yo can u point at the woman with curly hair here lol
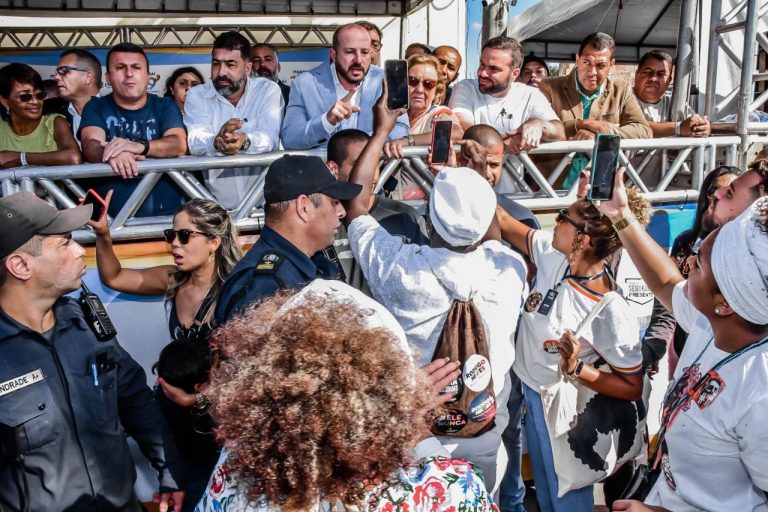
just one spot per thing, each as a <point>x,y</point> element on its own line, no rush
<point>572,277</point>
<point>319,406</point>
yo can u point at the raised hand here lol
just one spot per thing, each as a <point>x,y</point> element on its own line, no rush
<point>342,109</point>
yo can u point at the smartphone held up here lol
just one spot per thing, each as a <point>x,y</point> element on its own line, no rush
<point>99,205</point>
<point>396,75</point>
<point>441,141</point>
<point>605,161</point>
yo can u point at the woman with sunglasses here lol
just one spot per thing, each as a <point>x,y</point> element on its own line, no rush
<point>27,137</point>
<point>205,249</point>
<point>572,276</point>
<point>425,88</point>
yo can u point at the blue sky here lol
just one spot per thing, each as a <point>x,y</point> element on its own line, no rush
<point>474,23</point>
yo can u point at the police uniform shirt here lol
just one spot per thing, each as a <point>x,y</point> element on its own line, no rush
<point>272,263</point>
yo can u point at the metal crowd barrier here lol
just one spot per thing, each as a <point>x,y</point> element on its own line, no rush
<point>694,156</point>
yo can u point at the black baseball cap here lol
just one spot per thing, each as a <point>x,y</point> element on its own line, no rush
<point>293,175</point>
<point>533,58</point>
<point>24,215</point>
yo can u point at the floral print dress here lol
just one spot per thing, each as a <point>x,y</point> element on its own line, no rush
<point>434,484</point>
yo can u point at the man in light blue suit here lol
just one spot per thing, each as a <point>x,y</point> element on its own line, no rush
<point>335,96</point>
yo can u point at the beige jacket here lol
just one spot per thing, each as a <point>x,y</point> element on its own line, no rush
<point>616,105</point>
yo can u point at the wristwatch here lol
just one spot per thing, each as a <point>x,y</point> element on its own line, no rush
<point>626,219</point>
<point>145,152</point>
<point>246,144</point>
<point>577,370</point>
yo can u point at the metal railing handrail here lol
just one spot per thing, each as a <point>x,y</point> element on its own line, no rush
<point>703,153</point>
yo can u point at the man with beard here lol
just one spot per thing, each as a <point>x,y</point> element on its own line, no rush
<point>233,114</point>
<point>520,113</point>
<point>334,97</point>
<point>129,125</point>
<point>266,63</point>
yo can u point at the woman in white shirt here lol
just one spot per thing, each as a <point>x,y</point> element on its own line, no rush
<point>572,277</point>
<point>715,414</point>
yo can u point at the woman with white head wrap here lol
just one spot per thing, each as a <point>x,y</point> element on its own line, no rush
<point>715,413</point>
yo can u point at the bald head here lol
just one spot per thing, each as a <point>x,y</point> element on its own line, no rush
<point>491,140</point>
<point>450,62</point>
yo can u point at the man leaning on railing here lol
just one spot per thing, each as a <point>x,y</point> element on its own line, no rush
<point>129,125</point>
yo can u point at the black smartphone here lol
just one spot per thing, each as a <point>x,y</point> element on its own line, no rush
<point>99,205</point>
<point>396,73</point>
<point>605,161</point>
<point>441,141</point>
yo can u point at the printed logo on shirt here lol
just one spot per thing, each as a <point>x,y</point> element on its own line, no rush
<point>550,347</point>
<point>457,386</point>
<point>705,393</point>
<point>477,372</point>
<point>452,421</point>
<point>482,408</point>
<point>21,381</point>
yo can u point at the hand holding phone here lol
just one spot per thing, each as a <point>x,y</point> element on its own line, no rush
<point>441,141</point>
<point>396,74</point>
<point>605,160</point>
<point>99,205</point>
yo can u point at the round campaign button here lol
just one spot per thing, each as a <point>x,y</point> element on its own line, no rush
<point>477,372</point>
<point>451,421</point>
<point>457,387</point>
<point>550,347</point>
<point>482,408</point>
<point>533,301</point>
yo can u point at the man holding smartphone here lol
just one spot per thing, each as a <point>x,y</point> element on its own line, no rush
<point>338,95</point>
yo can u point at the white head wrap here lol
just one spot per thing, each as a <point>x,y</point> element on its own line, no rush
<point>461,206</point>
<point>740,263</point>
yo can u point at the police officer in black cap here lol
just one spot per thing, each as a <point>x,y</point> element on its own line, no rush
<point>302,213</point>
<point>67,398</point>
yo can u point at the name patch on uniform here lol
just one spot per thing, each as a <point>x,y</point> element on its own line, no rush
<point>21,381</point>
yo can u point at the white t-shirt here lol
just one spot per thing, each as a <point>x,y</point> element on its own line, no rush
<point>718,456</point>
<point>613,335</point>
<point>522,103</point>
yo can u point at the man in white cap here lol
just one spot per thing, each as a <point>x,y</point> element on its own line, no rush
<point>465,260</point>
<point>715,413</point>
<point>67,399</point>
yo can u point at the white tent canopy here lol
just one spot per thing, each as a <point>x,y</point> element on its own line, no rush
<point>553,29</point>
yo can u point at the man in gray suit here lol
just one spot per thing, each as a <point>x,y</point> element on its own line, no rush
<point>338,95</point>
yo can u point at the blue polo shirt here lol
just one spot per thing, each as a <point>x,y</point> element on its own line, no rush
<point>289,268</point>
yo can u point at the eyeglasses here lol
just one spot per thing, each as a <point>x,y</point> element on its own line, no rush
<point>376,45</point>
<point>26,97</point>
<point>63,70</point>
<point>428,84</point>
<point>562,215</point>
<point>183,234</point>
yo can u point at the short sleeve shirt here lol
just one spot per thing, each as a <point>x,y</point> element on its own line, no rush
<point>717,455</point>
<point>149,122</point>
<point>613,336</point>
<point>521,104</point>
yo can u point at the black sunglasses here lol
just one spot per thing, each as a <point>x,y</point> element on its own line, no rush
<point>183,234</point>
<point>26,97</point>
<point>562,215</point>
<point>63,70</point>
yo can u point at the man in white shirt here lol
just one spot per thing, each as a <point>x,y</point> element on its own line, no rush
<point>338,95</point>
<point>232,114</point>
<point>520,113</point>
<point>464,261</point>
<point>78,78</point>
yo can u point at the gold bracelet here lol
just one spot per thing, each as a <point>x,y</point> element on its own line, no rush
<point>411,140</point>
<point>626,219</point>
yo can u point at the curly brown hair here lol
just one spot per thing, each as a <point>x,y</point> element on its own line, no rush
<point>311,402</point>
<point>604,240</point>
